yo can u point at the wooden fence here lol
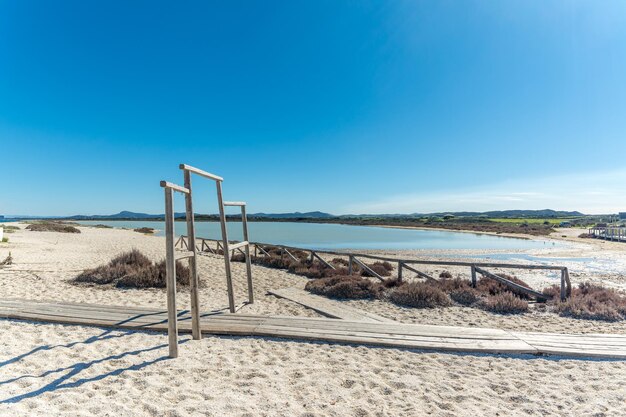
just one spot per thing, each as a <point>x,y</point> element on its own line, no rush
<point>616,234</point>
<point>206,245</point>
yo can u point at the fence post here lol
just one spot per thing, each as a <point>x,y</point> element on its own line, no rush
<point>400,271</point>
<point>170,275</point>
<point>193,265</point>
<point>350,265</point>
<point>473,276</point>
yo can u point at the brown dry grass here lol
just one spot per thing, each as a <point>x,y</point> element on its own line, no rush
<point>132,270</point>
<point>344,287</point>
<point>592,302</point>
<point>419,295</point>
<point>52,227</point>
<point>504,303</point>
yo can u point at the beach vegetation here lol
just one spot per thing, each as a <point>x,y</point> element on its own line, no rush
<point>132,269</point>
<point>52,226</point>
<point>344,287</point>
<point>592,302</point>
<point>144,230</point>
<point>504,303</point>
<point>419,295</point>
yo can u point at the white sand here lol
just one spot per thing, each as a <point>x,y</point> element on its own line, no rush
<point>48,369</point>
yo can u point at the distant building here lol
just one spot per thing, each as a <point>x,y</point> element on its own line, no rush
<point>622,215</point>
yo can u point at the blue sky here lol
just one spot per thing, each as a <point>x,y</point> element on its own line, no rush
<point>345,107</point>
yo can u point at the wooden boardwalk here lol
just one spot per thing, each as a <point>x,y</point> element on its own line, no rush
<point>328,307</point>
<point>441,338</point>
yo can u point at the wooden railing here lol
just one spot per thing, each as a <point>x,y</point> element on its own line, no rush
<point>204,245</point>
<point>616,234</point>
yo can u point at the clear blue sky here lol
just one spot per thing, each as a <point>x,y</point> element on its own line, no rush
<point>396,106</point>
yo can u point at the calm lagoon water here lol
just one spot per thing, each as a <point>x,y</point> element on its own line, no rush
<point>336,236</point>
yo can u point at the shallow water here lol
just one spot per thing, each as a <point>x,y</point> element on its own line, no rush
<point>337,236</point>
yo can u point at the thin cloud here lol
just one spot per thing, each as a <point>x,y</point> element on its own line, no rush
<point>591,193</point>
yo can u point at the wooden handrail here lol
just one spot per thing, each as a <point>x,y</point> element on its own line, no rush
<point>174,187</point>
<point>200,172</point>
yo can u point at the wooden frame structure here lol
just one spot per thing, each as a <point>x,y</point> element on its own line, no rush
<point>192,252</point>
<point>411,265</point>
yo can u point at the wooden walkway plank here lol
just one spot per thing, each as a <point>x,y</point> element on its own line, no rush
<point>327,307</point>
<point>389,334</point>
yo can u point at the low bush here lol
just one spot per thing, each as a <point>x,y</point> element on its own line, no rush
<point>381,268</point>
<point>585,235</point>
<point>449,285</point>
<point>144,230</point>
<point>490,286</point>
<point>10,229</point>
<point>419,295</point>
<point>445,274</point>
<point>464,296</point>
<point>344,286</point>
<point>52,227</point>
<point>132,270</point>
<point>504,303</point>
<point>5,239</point>
<point>593,302</point>
<point>103,226</point>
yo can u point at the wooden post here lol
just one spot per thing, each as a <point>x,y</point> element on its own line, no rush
<point>350,265</point>
<point>170,275</point>
<point>244,223</point>
<point>229,279</point>
<point>473,277</point>
<point>193,265</point>
<point>563,286</point>
<point>400,271</point>
<point>312,256</point>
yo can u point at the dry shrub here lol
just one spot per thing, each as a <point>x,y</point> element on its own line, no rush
<point>339,261</point>
<point>52,227</point>
<point>380,268</point>
<point>346,286</point>
<point>132,269</point>
<point>504,303</point>
<point>103,226</point>
<point>464,296</point>
<point>586,235</point>
<point>392,283</point>
<point>153,276</point>
<point>144,230</point>
<point>449,285</point>
<point>490,286</point>
<point>419,295</point>
<point>445,274</point>
<point>593,302</point>
<point>553,291</point>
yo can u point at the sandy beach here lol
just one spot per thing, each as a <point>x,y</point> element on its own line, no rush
<point>50,369</point>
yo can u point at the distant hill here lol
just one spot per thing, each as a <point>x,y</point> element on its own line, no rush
<point>125,215</point>
<point>514,213</point>
<point>129,215</point>
<point>296,215</point>
<point>318,215</point>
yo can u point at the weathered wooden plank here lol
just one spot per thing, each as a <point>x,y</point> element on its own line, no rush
<point>521,288</point>
<point>200,172</point>
<point>390,334</point>
<point>368,269</point>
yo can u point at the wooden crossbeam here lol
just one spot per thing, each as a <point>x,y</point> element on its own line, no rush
<point>511,284</point>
